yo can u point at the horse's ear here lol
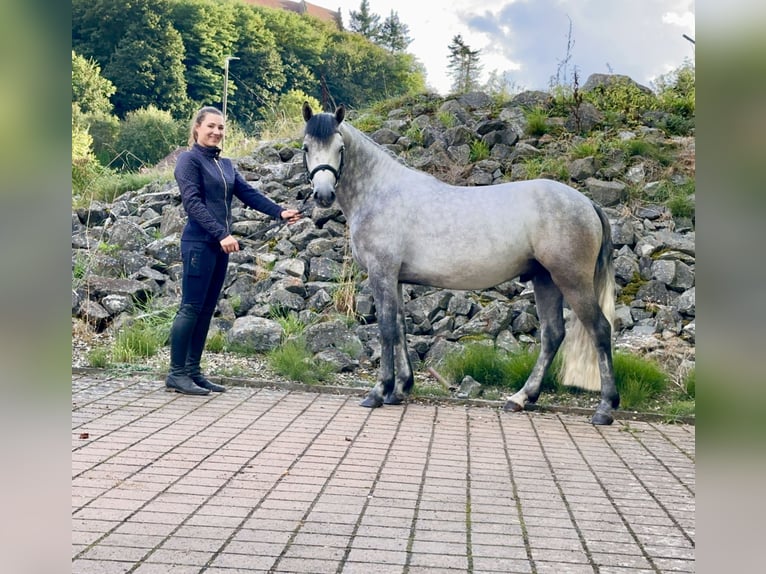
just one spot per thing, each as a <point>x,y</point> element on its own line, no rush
<point>307,113</point>
<point>340,113</point>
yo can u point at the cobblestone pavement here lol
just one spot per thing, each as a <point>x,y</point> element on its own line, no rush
<point>260,480</point>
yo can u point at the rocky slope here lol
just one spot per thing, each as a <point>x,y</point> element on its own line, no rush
<point>128,252</point>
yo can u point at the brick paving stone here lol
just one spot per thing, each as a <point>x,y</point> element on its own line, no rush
<point>260,480</point>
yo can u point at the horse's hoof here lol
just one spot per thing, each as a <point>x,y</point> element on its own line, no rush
<point>372,402</point>
<point>512,407</point>
<point>600,418</point>
<point>393,399</point>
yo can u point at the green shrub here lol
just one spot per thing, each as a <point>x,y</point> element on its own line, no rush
<point>146,136</point>
<point>676,91</point>
<point>104,129</point>
<point>622,98</point>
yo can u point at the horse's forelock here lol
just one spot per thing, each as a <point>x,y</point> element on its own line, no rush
<point>321,126</point>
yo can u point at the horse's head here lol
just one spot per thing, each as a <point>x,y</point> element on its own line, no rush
<point>323,152</point>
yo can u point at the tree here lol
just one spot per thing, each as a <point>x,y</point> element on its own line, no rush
<point>257,78</point>
<point>364,22</point>
<point>147,66</point>
<point>358,72</point>
<point>464,66</point>
<point>209,31</point>
<point>90,90</point>
<point>394,35</point>
<point>301,47</point>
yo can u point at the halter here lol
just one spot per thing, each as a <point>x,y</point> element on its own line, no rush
<point>325,166</point>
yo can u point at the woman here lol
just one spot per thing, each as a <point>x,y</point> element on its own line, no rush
<point>207,183</point>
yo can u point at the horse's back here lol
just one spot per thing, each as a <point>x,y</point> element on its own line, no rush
<point>477,237</point>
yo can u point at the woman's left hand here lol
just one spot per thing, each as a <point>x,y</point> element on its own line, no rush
<point>291,215</point>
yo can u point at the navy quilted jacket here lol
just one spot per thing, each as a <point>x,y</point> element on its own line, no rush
<point>208,183</point>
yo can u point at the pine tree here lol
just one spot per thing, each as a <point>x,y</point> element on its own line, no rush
<point>364,22</point>
<point>394,34</point>
<point>464,67</point>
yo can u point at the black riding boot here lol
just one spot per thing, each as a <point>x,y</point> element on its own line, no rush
<point>180,337</point>
<point>196,347</point>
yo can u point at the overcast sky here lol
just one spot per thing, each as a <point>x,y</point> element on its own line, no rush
<point>528,38</point>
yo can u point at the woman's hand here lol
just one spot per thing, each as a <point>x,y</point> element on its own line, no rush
<point>229,244</point>
<point>291,215</point>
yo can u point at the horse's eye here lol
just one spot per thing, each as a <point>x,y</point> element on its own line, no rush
<point>305,148</point>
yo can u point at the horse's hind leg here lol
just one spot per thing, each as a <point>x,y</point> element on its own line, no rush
<point>550,304</point>
<point>593,328</point>
<point>404,379</point>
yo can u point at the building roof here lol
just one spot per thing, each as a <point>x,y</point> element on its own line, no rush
<point>299,7</point>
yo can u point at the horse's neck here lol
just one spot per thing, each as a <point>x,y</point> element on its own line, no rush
<point>366,165</point>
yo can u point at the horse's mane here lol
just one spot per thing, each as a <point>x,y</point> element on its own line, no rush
<point>321,126</point>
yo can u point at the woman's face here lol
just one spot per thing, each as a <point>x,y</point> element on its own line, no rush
<point>210,130</point>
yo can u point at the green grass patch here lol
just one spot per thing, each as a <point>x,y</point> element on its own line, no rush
<point>638,380</point>
<point>294,361</point>
<point>144,335</point>
<point>537,122</point>
<point>493,367</point>
<point>547,167</point>
<point>479,150</point>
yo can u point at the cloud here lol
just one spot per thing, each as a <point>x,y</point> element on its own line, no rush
<point>638,39</point>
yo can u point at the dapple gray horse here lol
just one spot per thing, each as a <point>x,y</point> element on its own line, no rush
<point>406,226</point>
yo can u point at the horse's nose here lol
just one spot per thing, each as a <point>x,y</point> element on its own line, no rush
<point>325,197</point>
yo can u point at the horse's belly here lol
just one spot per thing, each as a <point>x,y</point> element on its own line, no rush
<point>453,271</point>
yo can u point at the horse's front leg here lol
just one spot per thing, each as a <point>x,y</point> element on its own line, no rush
<point>404,379</point>
<point>386,310</point>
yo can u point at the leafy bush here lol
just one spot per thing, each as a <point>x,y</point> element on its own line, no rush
<point>623,99</point>
<point>147,135</point>
<point>104,129</point>
<point>85,166</point>
<point>676,91</point>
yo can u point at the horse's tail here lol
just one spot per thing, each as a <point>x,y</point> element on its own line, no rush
<point>579,366</point>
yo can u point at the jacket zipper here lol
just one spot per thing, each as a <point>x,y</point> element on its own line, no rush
<point>225,194</point>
